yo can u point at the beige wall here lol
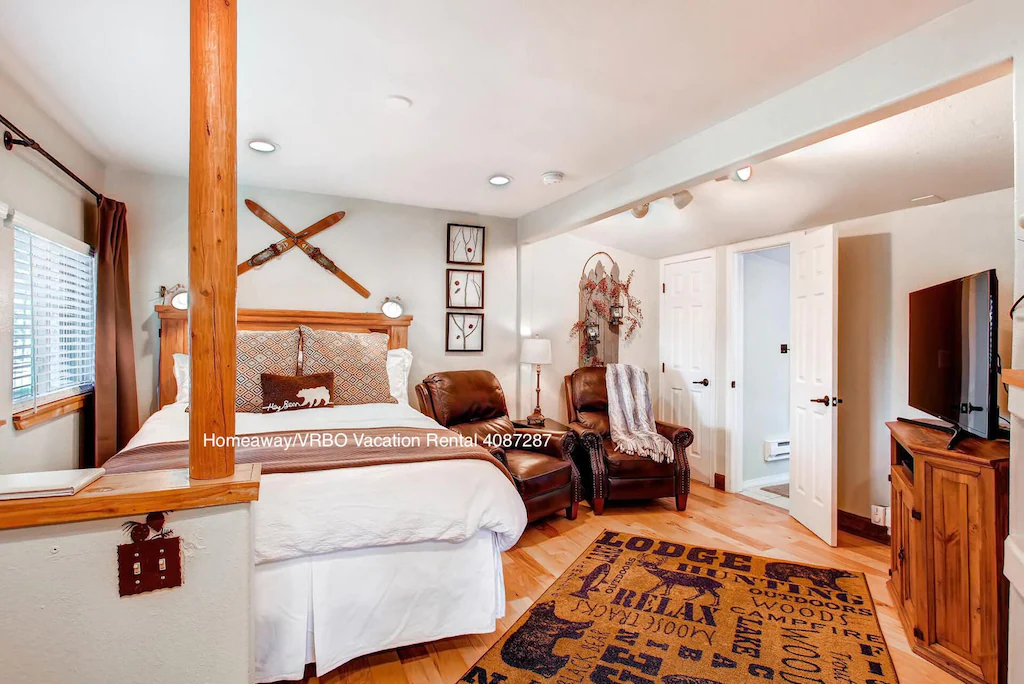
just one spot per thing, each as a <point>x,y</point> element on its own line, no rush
<point>391,249</point>
<point>64,620</point>
<point>882,259</point>
<point>765,368</point>
<point>34,187</point>
<point>549,279</point>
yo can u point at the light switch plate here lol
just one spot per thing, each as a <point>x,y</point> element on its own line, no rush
<point>149,565</point>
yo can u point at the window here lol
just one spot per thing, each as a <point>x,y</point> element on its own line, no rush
<point>54,315</point>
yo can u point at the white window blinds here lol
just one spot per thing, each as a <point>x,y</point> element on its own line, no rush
<point>54,315</point>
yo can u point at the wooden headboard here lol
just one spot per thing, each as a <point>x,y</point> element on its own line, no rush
<point>174,332</point>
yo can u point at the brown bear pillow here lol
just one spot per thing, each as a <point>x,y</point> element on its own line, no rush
<point>294,392</point>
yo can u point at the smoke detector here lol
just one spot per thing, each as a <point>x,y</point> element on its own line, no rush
<point>552,177</point>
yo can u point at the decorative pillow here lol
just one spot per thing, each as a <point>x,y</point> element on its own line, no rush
<point>294,392</point>
<point>359,362</point>
<point>399,365</point>
<point>181,378</point>
<point>262,351</point>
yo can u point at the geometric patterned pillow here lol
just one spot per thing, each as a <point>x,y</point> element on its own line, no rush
<point>262,351</point>
<point>359,362</point>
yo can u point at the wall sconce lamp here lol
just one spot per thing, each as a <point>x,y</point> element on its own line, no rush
<point>392,307</point>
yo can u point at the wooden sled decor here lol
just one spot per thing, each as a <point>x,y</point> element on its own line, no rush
<point>298,240</point>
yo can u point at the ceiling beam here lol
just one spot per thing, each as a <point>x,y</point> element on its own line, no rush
<point>958,50</point>
<point>212,237</point>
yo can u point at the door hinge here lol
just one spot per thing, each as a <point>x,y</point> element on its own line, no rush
<point>663,288</point>
<point>915,514</point>
<point>663,367</point>
<point>733,384</point>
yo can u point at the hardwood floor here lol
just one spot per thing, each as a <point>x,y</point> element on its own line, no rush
<point>714,518</point>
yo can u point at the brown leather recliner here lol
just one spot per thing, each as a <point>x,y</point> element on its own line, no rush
<point>609,474</point>
<point>472,403</point>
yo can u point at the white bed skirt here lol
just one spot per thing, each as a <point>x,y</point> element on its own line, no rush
<point>335,607</point>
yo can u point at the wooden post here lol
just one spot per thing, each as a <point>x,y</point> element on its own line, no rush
<point>212,237</point>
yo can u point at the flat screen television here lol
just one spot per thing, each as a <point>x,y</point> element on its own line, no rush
<point>954,353</point>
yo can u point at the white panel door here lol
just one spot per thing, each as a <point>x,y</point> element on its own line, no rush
<point>812,461</point>
<point>688,352</point>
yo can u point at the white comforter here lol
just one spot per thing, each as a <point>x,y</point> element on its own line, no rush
<point>300,514</point>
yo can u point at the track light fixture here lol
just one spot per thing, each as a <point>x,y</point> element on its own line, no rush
<point>641,210</point>
<point>742,175</point>
<point>682,199</point>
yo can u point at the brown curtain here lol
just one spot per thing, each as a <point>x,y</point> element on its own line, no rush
<point>116,404</point>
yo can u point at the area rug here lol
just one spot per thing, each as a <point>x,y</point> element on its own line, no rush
<point>779,489</point>
<point>652,611</point>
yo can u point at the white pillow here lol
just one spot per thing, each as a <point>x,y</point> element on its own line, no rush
<point>399,365</point>
<point>181,378</point>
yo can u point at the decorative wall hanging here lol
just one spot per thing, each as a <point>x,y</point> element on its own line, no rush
<point>465,289</point>
<point>606,311</point>
<point>465,244</point>
<point>298,240</point>
<point>465,332</point>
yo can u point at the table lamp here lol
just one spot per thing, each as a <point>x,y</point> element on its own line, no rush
<point>536,351</point>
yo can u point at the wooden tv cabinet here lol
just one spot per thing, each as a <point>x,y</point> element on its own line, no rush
<point>950,515</point>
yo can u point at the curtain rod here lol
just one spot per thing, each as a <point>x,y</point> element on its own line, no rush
<point>23,140</point>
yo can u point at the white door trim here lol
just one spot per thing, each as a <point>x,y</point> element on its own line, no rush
<point>734,351</point>
<point>660,411</point>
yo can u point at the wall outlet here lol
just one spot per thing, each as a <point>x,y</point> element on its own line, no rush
<point>879,515</point>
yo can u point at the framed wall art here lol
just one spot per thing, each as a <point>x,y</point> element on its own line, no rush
<point>465,244</point>
<point>465,332</point>
<point>465,289</point>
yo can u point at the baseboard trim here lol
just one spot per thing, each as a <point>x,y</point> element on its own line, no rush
<point>720,481</point>
<point>863,527</point>
<point>766,481</point>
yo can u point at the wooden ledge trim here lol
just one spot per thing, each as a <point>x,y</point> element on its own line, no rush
<point>128,494</point>
<point>1013,377</point>
<point>50,411</point>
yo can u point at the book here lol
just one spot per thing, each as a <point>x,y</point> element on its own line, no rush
<point>46,484</point>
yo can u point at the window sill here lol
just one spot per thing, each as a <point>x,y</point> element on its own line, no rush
<point>28,418</point>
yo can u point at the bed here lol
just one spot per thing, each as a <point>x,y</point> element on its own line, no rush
<point>355,560</point>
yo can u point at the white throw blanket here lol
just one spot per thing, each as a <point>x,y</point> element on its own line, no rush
<point>631,414</point>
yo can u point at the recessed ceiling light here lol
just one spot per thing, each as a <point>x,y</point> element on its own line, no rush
<point>553,177</point>
<point>397,102</point>
<point>499,180</point>
<point>264,146</point>
<point>742,175</point>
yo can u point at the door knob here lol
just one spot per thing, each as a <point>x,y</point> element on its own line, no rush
<point>702,382</point>
<point>826,400</point>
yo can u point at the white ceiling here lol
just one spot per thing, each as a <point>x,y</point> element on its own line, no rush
<point>587,87</point>
<point>959,146</point>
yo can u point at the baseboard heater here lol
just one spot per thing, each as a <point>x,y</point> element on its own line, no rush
<point>776,450</point>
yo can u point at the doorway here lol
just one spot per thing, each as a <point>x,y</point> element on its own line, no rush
<point>764,360</point>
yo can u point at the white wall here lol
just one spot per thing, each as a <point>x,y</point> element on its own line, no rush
<point>64,619</point>
<point>391,249</point>
<point>765,368</point>
<point>550,277</point>
<point>33,186</point>
<point>882,259</point>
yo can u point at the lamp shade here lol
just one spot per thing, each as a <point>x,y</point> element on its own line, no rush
<point>536,350</point>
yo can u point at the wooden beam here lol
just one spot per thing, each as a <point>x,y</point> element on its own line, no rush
<point>212,236</point>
